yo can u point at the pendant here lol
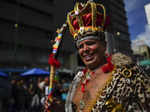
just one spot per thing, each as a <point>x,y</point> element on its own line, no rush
<point>82,105</point>
<point>88,76</point>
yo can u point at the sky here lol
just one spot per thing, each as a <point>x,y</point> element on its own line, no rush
<point>138,27</point>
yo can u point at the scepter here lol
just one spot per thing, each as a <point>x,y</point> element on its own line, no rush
<point>54,63</point>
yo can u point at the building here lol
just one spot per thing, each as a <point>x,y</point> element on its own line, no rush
<point>26,30</point>
<point>119,37</point>
<point>147,12</point>
<point>27,27</point>
<point>141,52</point>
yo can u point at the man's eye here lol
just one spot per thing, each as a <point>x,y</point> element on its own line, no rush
<point>80,46</point>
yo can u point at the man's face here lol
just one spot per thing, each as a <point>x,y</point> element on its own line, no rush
<point>91,52</point>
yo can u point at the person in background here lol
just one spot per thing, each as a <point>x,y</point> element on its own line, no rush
<point>5,93</point>
<point>64,90</point>
<point>35,102</point>
<point>12,103</point>
<point>42,84</point>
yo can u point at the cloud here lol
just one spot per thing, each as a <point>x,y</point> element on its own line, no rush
<point>131,5</point>
<point>135,11</point>
<point>134,5</point>
<point>143,38</point>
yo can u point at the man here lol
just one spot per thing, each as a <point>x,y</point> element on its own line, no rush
<point>104,85</point>
<point>107,84</point>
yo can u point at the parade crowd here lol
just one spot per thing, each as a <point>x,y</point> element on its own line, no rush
<point>28,94</point>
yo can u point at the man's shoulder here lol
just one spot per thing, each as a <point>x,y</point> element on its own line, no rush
<point>126,66</point>
<point>78,69</point>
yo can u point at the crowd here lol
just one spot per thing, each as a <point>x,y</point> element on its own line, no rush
<point>28,94</point>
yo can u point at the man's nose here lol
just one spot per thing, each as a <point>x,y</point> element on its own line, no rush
<point>85,47</point>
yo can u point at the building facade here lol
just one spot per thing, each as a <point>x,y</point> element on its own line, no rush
<point>26,30</point>
<point>27,27</point>
<point>142,52</point>
<point>118,36</point>
<point>147,12</point>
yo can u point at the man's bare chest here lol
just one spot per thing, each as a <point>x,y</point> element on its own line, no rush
<point>83,100</point>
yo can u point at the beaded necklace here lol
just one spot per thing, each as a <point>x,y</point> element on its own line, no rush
<point>87,78</point>
<point>108,67</point>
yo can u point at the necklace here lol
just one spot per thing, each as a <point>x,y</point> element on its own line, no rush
<point>84,81</point>
<point>87,78</point>
<point>108,67</point>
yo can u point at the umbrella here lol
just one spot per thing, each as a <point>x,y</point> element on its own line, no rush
<point>145,62</point>
<point>35,72</point>
<point>3,74</point>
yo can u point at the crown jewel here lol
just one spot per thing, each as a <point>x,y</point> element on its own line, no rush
<point>87,18</point>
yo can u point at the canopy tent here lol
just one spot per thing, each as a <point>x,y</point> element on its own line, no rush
<point>35,72</point>
<point>3,74</point>
<point>145,62</point>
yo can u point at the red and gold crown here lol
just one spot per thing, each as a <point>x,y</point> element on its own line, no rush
<point>87,18</point>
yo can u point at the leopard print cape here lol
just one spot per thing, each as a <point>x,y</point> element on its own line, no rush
<point>128,91</point>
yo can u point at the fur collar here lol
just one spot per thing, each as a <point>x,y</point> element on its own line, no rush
<point>120,59</point>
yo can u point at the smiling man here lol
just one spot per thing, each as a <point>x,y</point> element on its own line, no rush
<point>106,84</point>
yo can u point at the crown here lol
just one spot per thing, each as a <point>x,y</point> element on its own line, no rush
<point>88,18</point>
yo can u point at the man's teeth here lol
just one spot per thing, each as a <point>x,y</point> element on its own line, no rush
<point>87,57</point>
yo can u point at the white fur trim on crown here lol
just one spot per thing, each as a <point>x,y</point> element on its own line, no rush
<point>87,37</point>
